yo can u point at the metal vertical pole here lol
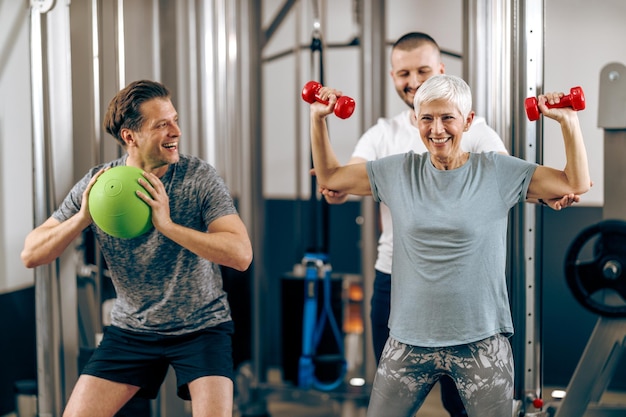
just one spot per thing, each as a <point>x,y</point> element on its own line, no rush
<point>612,118</point>
<point>256,161</point>
<point>487,51</point>
<point>48,398</point>
<point>525,250</point>
<point>254,213</point>
<point>373,59</point>
<point>119,44</point>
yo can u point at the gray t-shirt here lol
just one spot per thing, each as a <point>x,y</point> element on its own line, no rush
<point>448,280</point>
<point>162,287</point>
<point>397,135</point>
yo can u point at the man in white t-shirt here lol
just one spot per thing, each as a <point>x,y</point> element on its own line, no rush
<point>415,57</point>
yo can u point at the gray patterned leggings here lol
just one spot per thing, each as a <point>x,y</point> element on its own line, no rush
<point>482,371</point>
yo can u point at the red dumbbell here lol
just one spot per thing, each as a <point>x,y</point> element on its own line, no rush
<point>343,108</point>
<point>575,99</point>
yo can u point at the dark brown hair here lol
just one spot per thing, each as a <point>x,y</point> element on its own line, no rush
<point>124,109</point>
<point>412,40</point>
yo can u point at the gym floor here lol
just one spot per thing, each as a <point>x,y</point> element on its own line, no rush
<point>431,408</point>
<point>278,407</point>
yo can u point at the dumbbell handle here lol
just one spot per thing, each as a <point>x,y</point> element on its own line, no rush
<point>344,107</point>
<point>575,99</point>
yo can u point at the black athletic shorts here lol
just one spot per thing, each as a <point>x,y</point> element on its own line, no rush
<point>142,359</point>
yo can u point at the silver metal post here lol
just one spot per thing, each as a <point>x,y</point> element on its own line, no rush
<point>533,143</point>
<point>373,59</point>
<point>525,259</point>
<point>48,396</point>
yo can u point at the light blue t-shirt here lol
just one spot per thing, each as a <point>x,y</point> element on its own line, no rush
<point>449,227</point>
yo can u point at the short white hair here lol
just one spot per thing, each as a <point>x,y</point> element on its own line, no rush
<point>445,87</point>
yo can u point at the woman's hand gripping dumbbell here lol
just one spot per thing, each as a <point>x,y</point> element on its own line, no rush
<point>343,108</point>
<point>575,99</point>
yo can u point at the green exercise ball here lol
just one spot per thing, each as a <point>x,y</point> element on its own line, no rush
<point>114,206</point>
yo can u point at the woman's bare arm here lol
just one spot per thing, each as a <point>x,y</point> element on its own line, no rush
<point>549,183</point>
<point>348,179</point>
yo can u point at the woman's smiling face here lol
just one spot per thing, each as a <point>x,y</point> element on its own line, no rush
<point>441,126</point>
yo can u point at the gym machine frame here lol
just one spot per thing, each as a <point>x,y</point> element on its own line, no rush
<point>607,343</point>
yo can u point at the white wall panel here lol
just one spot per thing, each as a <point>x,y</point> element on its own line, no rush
<point>279,132</point>
<point>441,19</point>
<point>581,38</point>
<point>16,202</point>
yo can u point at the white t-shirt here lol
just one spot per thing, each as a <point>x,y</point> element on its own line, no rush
<point>398,135</point>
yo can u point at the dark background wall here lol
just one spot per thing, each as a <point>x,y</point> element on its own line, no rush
<point>17,343</point>
<point>566,324</point>
<point>291,229</point>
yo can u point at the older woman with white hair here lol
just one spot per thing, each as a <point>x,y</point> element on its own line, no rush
<point>450,311</point>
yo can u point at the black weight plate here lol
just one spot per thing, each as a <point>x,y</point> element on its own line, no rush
<point>585,279</point>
